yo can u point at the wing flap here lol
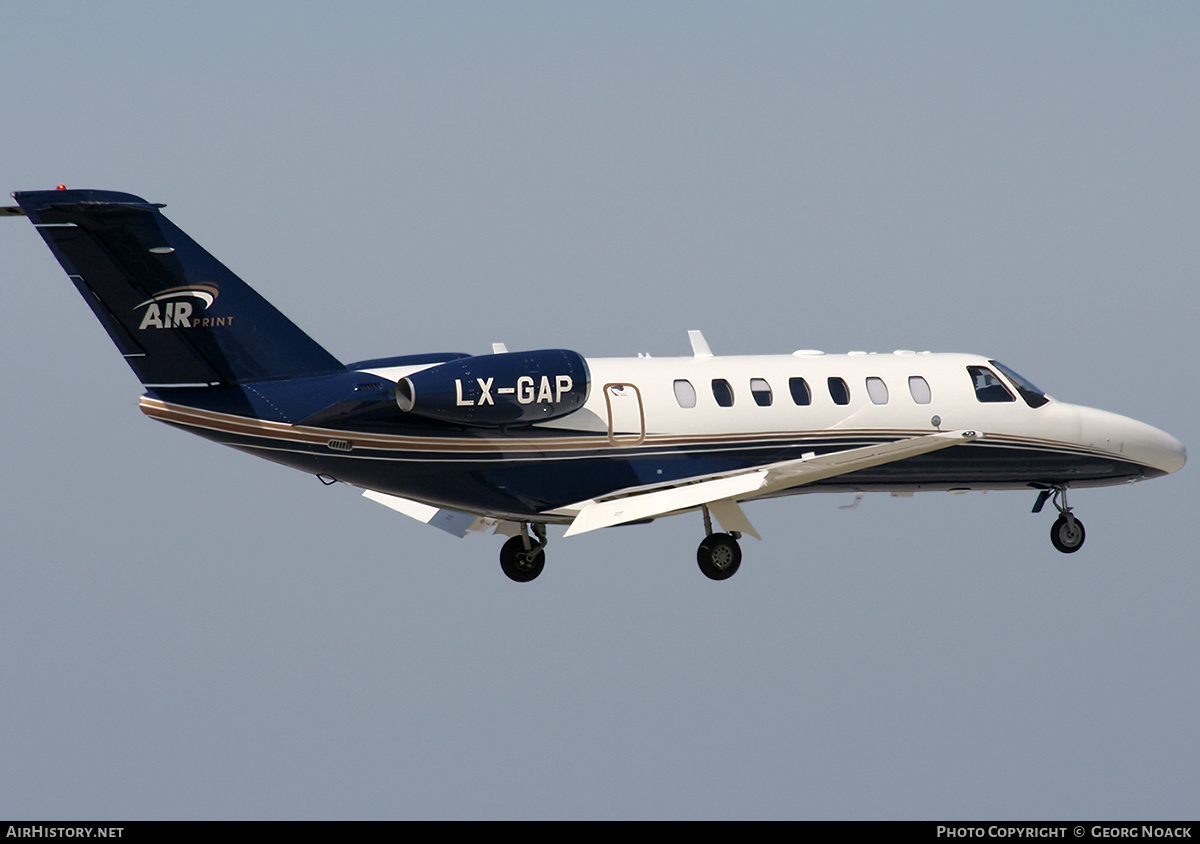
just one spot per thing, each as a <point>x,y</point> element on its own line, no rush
<point>648,504</point>
<point>731,517</point>
<point>453,522</point>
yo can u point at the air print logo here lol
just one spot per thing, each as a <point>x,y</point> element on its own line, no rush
<point>182,307</point>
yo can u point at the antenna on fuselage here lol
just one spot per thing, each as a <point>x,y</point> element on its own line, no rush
<point>700,347</point>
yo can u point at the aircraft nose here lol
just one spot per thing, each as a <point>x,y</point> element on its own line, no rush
<point>1169,454</point>
<point>1157,450</point>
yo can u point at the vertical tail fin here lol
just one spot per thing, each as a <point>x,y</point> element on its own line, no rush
<point>177,314</point>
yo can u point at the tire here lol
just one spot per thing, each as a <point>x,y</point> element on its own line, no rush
<point>1065,538</point>
<point>719,556</point>
<point>521,565</point>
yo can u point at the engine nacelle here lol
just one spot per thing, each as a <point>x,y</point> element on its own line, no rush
<point>494,391</point>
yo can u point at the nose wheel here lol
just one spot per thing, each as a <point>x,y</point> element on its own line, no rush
<point>1067,534</point>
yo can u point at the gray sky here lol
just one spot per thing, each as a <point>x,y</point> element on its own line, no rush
<point>192,633</point>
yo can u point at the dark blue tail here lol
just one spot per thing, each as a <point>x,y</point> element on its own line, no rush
<point>177,314</point>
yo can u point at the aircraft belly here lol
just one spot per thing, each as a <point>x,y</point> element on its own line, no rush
<point>988,465</point>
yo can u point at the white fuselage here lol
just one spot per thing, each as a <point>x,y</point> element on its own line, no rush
<point>706,405</point>
<point>643,402</point>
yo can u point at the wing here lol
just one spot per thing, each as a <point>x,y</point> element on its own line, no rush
<point>452,522</point>
<point>722,492</point>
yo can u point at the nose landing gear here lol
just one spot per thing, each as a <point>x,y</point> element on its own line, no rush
<point>1067,534</point>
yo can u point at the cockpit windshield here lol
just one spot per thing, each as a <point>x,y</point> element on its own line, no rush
<point>1032,395</point>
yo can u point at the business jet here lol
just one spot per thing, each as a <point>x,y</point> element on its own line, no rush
<point>511,442</point>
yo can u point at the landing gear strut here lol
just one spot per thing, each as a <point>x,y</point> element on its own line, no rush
<point>523,557</point>
<point>1067,534</point>
<point>719,555</point>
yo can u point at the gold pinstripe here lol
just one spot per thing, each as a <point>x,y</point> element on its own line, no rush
<point>311,436</point>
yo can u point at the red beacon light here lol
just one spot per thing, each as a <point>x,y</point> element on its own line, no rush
<point>61,187</point>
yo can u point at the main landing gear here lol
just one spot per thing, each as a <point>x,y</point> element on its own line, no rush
<point>523,557</point>
<point>719,555</point>
<point>1067,534</point>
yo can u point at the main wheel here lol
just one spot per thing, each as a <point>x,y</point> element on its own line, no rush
<point>519,564</point>
<point>719,556</point>
<point>1067,535</point>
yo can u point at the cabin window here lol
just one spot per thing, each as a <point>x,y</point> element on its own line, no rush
<point>722,392</point>
<point>919,388</point>
<point>988,388</point>
<point>838,391</point>
<point>877,390</point>
<point>761,391</point>
<point>685,393</point>
<point>801,395</point>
